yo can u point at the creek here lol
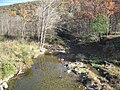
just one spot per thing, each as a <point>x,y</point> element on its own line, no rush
<point>47,73</point>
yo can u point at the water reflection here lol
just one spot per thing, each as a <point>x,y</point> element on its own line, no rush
<point>47,74</point>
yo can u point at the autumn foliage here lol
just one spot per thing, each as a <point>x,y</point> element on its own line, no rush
<point>91,8</point>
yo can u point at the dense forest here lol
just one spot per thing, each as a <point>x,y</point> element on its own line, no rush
<point>84,35</point>
<point>22,19</point>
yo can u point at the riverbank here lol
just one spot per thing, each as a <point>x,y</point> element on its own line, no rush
<point>95,63</point>
<point>91,78</point>
<point>16,56</point>
<point>94,74</point>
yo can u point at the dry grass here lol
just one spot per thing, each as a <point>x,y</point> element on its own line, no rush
<point>15,54</point>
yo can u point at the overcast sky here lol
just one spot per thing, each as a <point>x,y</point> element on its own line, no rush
<point>8,2</point>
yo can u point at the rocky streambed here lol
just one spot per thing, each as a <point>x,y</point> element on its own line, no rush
<point>94,76</point>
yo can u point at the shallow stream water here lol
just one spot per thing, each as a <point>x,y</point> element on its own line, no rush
<point>47,73</point>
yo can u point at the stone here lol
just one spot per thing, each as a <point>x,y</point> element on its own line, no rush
<point>62,59</point>
<point>75,72</point>
<point>76,69</point>
<point>82,65</point>
<point>66,65</point>
<point>4,85</point>
<point>71,65</point>
<point>83,78</point>
<point>91,88</point>
<point>68,71</point>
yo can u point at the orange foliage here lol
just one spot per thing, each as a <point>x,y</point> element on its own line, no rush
<point>93,7</point>
<point>21,9</point>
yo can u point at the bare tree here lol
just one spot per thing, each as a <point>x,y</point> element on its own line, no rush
<point>1,26</point>
<point>48,16</point>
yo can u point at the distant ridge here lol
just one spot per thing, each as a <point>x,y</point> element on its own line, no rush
<point>20,8</point>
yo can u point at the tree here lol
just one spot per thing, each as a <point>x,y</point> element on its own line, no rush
<point>99,24</point>
<point>48,16</point>
<point>98,11</point>
<point>80,15</point>
<point>108,10</point>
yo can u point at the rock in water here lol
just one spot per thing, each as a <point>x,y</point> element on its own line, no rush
<point>83,78</point>
<point>68,71</point>
<point>5,85</point>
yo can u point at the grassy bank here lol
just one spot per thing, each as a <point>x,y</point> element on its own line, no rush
<point>15,55</point>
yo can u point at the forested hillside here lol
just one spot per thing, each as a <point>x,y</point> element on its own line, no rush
<point>14,18</point>
<point>22,19</point>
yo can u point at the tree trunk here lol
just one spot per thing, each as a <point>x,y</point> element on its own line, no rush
<point>23,30</point>
<point>2,27</point>
<point>7,27</point>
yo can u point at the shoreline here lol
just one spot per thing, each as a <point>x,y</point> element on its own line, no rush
<point>84,70</point>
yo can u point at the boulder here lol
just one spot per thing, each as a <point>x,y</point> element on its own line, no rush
<point>4,85</point>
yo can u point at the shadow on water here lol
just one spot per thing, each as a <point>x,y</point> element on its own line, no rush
<point>46,74</point>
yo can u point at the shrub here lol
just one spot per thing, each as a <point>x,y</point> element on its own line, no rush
<point>8,69</point>
<point>100,24</point>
